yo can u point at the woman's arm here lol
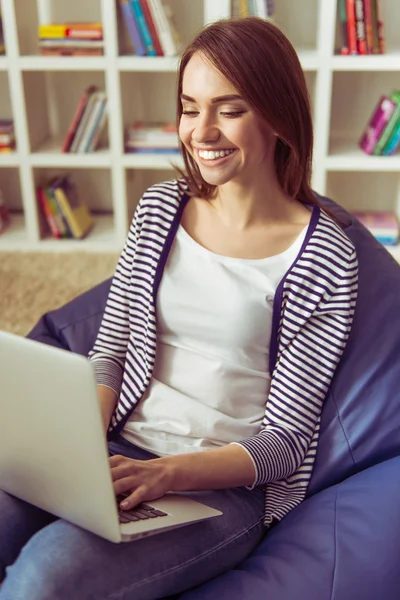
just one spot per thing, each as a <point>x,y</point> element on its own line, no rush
<point>107,399</point>
<point>226,467</point>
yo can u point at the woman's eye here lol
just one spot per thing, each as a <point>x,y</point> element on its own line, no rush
<point>232,114</point>
<point>190,113</point>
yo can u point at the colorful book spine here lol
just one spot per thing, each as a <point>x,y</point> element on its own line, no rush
<point>164,31</point>
<point>380,27</point>
<point>395,96</point>
<point>132,28</point>
<point>72,30</point>
<point>393,142</point>
<point>80,109</point>
<point>351,26</point>
<point>377,124</point>
<point>360,27</point>
<point>368,26</point>
<point>143,27</point>
<point>92,122</point>
<point>47,212</point>
<point>344,50</point>
<point>152,27</point>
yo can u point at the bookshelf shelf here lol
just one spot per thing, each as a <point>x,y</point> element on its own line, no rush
<point>147,64</point>
<point>62,63</point>
<point>10,159</point>
<point>384,62</point>
<point>345,156</point>
<point>49,155</point>
<point>41,94</point>
<point>151,161</point>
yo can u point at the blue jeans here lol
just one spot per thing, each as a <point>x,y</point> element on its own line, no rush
<point>46,558</point>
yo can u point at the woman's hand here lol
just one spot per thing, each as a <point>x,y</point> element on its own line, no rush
<point>143,480</point>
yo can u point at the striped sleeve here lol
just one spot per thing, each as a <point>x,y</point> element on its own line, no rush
<point>110,348</point>
<point>307,359</point>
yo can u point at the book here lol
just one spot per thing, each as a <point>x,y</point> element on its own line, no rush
<point>167,33</point>
<point>343,24</point>
<point>80,109</point>
<point>71,52</point>
<point>71,30</point>
<point>360,27</point>
<point>153,31</point>
<point>393,142</point>
<point>395,96</point>
<point>145,34</point>
<point>132,28</point>
<point>92,122</point>
<point>379,119</point>
<point>351,26</point>
<point>94,141</point>
<point>83,122</point>
<point>380,28</point>
<point>77,213</point>
<point>384,225</point>
<point>368,26</point>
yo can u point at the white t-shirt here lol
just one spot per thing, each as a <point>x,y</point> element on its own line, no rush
<point>210,381</point>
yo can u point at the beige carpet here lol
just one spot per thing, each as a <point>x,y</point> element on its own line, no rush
<point>33,283</point>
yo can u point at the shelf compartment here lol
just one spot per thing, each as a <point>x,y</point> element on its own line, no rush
<point>354,98</point>
<point>51,101</point>
<point>30,14</point>
<point>94,187</point>
<point>187,17</point>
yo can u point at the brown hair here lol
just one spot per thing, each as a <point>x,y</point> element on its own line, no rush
<point>258,59</point>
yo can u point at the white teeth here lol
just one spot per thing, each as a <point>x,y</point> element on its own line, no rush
<point>212,155</point>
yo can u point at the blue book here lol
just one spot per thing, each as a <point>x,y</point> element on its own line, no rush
<point>143,27</point>
<point>132,28</point>
<point>393,142</point>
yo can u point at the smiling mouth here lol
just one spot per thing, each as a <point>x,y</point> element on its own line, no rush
<point>210,155</point>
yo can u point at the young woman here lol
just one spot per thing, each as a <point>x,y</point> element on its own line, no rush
<point>229,310</point>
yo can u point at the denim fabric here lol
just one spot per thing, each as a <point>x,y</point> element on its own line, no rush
<point>45,558</point>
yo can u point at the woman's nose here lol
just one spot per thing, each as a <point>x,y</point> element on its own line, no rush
<point>205,131</point>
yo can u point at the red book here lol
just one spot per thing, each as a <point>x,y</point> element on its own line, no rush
<point>360,27</point>
<point>150,24</point>
<point>47,212</point>
<point>351,26</point>
<point>80,109</point>
<point>368,26</point>
<point>379,21</point>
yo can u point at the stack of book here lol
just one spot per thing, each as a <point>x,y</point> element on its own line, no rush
<point>65,214</point>
<point>361,27</point>
<point>382,135</point>
<point>87,122</point>
<point>4,214</point>
<point>384,225</point>
<point>71,39</point>
<point>2,46</point>
<point>7,138</point>
<point>253,8</point>
<point>150,26</point>
<point>148,138</point>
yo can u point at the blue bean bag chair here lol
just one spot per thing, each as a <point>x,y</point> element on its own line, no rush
<point>343,541</point>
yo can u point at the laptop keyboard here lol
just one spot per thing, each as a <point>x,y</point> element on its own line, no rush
<point>139,513</point>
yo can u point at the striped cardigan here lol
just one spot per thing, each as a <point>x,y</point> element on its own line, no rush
<point>313,311</point>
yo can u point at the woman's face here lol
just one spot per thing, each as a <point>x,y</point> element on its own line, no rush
<point>225,137</point>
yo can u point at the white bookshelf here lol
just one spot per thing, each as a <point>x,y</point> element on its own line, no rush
<point>41,93</point>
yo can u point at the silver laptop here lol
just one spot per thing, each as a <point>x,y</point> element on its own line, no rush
<point>53,451</point>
